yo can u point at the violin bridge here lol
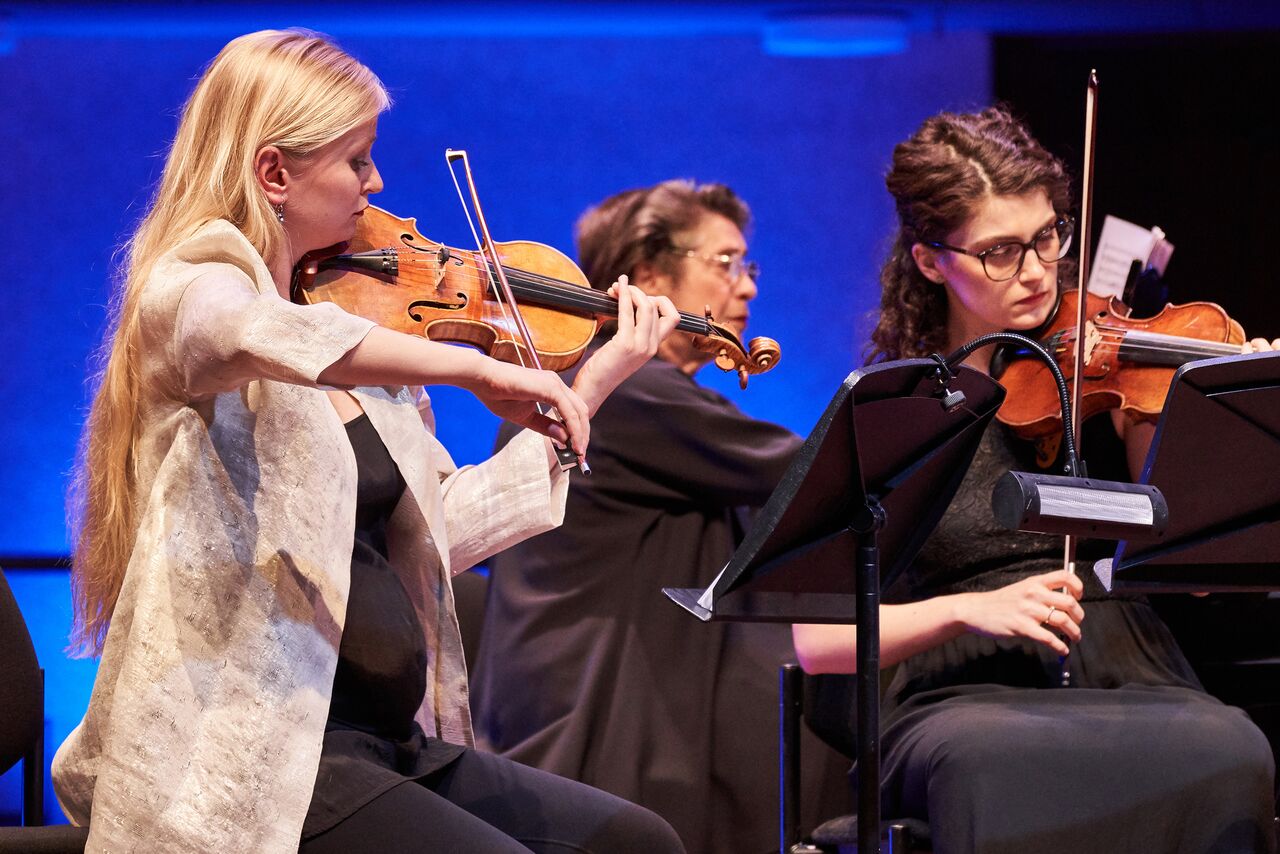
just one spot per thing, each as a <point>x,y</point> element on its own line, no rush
<point>442,261</point>
<point>1092,338</point>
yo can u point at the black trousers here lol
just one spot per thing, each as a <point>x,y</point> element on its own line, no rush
<point>484,803</point>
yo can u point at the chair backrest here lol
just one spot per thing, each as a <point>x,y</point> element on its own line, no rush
<point>829,703</point>
<point>830,707</point>
<point>21,691</point>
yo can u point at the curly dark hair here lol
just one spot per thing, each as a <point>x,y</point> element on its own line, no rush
<point>939,177</point>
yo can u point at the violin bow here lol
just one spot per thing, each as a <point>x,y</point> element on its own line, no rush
<point>1086,226</point>
<point>502,291</point>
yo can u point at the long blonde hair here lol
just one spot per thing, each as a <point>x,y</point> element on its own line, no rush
<point>292,89</point>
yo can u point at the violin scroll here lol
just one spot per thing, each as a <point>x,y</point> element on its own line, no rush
<point>765,352</point>
<point>757,357</point>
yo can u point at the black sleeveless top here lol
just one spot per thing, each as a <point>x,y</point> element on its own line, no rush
<point>382,661</point>
<point>371,741</point>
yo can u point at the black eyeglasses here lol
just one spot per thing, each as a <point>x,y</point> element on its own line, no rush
<point>732,266</point>
<point>1004,260</point>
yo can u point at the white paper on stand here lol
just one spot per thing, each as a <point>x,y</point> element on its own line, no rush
<point>1121,244</point>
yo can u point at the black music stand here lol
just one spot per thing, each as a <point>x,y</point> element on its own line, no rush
<point>1215,457</point>
<point>865,490</point>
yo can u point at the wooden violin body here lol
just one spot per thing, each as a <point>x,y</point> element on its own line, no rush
<point>394,276</point>
<point>1128,362</point>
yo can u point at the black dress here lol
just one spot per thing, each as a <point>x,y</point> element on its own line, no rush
<point>371,741</point>
<point>586,670</point>
<point>463,799</point>
<point>980,740</point>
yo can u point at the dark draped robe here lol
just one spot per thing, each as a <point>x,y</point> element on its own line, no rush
<point>586,669</point>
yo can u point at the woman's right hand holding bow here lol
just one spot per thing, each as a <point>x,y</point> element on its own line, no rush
<point>512,392</point>
<point>1028,608</point>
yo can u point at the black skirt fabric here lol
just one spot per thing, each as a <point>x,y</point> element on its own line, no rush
<point>371,741</point>
<point>981,740</point>
<point>1148,769</point>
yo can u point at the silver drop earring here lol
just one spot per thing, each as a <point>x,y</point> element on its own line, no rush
<point>280,212</point>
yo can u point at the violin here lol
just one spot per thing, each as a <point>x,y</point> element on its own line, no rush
<point>1122,362</point>
<point>1128,362</point>
<point>393,275</point>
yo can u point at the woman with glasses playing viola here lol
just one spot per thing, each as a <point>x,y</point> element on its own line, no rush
<point>978,737</point>
<point>584,668</point>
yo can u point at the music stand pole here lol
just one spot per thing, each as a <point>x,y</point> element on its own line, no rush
<point>867,585</point>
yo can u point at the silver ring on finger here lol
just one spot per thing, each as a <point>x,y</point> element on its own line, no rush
<point>1049,617</point>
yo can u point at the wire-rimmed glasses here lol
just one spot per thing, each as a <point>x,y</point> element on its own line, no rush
<point>731,266</point>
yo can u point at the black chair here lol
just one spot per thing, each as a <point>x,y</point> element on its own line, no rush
<point>22,737</point>
<point>827,705</point>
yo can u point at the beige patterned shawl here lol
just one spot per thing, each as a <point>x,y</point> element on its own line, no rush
<point>204,728</point>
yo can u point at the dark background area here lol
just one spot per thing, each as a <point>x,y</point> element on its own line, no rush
<point>1186,140</point>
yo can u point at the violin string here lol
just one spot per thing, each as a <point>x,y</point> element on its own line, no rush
<point>474,266</point>
<point>557,286</point>
<point>1139,351</point>
<point>1192,347</point>
<point>1150,339</point>
<point>592,301</point>
<point>1142,339</point>
<point>1153,354</point>
<point>1121,330</point>
<point>530,278</point>
<point>1134,342</point>
<point>559,292</point>
<point>1172,344</point>
<point>556,291</point>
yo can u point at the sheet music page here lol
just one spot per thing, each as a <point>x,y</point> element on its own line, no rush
<point>1121,243</point>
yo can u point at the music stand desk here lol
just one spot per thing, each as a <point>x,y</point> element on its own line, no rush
<point>865,490</point>
<point>1216,458</point>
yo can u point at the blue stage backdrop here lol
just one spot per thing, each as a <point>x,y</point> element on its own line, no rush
<point>553,123</point>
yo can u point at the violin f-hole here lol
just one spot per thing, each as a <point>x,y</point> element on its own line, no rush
<point>439,305</point>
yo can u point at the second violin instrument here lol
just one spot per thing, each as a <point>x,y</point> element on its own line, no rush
<point>1128,362</point>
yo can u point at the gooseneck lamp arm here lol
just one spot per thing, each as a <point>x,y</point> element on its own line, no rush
<point>1075,505</point>
<point>964,351</point>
